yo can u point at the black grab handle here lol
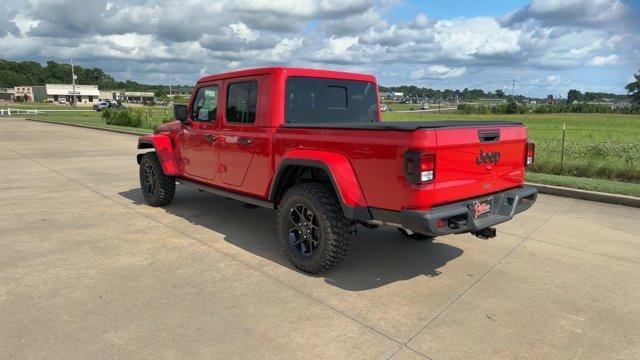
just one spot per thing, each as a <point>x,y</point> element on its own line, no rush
<point>488,135</point>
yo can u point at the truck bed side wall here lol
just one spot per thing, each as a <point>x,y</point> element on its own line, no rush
<point>376,159</point>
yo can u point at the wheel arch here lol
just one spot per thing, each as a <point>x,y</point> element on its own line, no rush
<point>164,149</point>
<point>338,172</point>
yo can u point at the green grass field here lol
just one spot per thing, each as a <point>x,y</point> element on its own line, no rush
<point>94,118</point>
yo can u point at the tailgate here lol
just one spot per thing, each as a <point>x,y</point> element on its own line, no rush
<point>475,161</point>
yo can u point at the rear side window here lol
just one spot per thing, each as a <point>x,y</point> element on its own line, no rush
<point>242,100</point>
<point>318,100</point>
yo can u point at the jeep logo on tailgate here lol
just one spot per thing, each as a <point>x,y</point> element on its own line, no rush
<point>488,157</point>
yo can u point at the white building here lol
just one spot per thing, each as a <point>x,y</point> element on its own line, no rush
<point>391,95</point>
<point>85,94</point>
<point>23,91</point>
<point>138,96</point>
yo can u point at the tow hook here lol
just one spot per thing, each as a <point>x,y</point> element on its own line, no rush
<point>486,233</point>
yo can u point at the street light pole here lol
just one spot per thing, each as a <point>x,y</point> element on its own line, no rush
<point>73,83</point>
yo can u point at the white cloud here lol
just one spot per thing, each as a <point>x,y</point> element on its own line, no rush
<point>244,33</point>
<point>604,60</point>
<point>554,80</point>
<point>338,50</point>
<point>437,72</point>
<point>586,13</point>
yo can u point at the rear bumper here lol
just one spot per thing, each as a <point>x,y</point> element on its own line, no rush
<point>459,217</point>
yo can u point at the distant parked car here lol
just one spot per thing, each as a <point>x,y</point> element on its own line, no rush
<point>384,108</point>
<point>62,101</point>
<point>115,105</point>
<point>101,105</point>
<point>425,107</point>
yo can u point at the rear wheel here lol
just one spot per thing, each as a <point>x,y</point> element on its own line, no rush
<point>315,233</point>
<point>157,188</point>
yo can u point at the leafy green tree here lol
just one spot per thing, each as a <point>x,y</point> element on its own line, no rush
<point>512,107</point>
<point>574,95</point>
<point>634,89</point>
<point>499,93</point>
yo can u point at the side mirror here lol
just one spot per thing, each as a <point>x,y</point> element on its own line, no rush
<point>180,112</point>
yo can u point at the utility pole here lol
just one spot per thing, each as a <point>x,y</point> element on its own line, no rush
<point>513,88</point>
<point>73,83</point>
<point>170,95</point>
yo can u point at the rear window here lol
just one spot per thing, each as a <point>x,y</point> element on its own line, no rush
<point>318,100</point>
<point>242,100</point>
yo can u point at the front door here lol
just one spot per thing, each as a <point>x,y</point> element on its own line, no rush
<point>238,130</point>
<point>199,153</point>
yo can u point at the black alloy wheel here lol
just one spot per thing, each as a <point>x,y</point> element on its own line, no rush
<point>304,230</point>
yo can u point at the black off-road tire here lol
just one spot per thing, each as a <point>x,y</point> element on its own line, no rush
<point>415,236</point>
<point>159,190</point>
<point>334,228</point>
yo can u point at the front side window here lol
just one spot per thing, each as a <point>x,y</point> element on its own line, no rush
<point>321,100</point>
<point>242,101</point>
<point>205,105</point>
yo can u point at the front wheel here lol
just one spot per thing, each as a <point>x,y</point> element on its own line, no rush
<point>315,233</point>
<point>157,188</point>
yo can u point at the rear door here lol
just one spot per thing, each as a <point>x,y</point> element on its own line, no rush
<point>239,129</point>
<point>474,161</point>
<point>199,153</point>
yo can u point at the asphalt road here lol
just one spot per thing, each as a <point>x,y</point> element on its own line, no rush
<point>87,270</point>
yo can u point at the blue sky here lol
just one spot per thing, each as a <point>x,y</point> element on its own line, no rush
<point>451,9</point>
<point>546,46</point>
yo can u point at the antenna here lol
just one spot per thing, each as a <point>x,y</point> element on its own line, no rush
<point>513,89</point>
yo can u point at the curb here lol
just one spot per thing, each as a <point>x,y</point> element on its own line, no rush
<point>121,131</point>
<point>543,189</point>
<point>587,195</point>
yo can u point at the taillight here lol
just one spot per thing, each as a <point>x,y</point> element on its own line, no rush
<point>531,154</point>
<point>419,167</point>
<point>427,167</point>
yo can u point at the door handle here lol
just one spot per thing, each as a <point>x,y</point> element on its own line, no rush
<point>210,138</point>
<point>245,141</point>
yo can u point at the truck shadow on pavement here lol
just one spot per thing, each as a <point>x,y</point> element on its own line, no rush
<point>376,258</point>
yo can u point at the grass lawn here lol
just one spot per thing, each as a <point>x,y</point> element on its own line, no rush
<point>89,119</point>
<point>40,105</point>
<point>606,186</point>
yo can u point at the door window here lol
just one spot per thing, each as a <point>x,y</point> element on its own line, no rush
<point>242,100</point>
<point>205,105</point>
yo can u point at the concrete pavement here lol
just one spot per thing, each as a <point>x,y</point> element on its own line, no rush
<point>88,270</point>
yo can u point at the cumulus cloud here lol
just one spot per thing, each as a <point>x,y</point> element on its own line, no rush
<point>585,13</point>
<point>604,60</point>
<point>437,72</point>
<point>7,25</point>
<point>554,80</point>
<point>355,24</point>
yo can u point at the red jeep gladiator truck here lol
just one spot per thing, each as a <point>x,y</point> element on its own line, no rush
<point>311,144</point>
